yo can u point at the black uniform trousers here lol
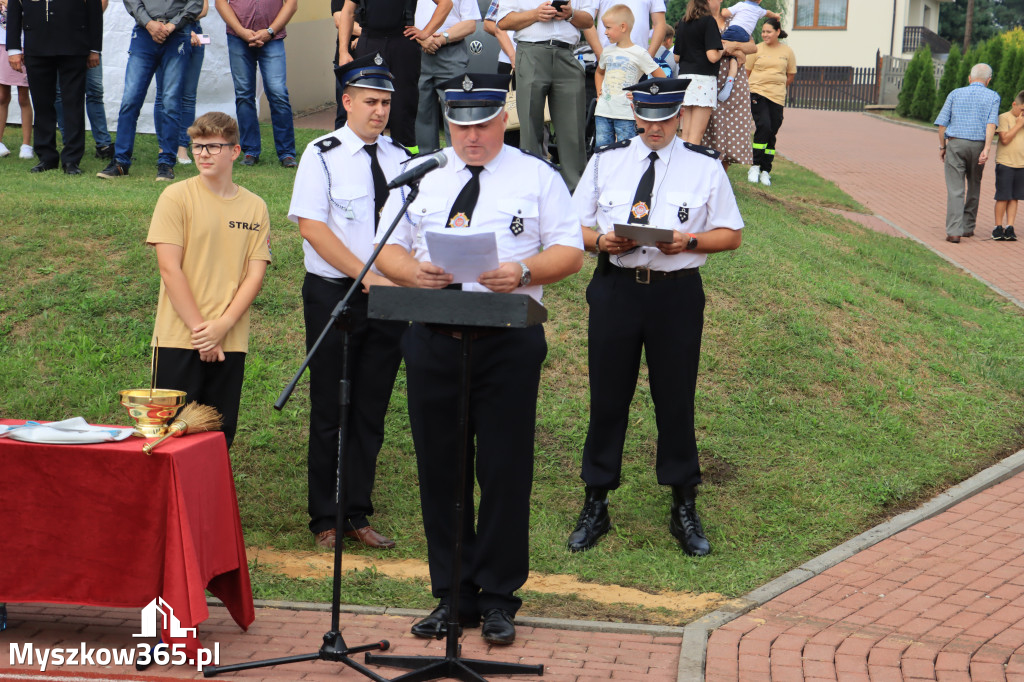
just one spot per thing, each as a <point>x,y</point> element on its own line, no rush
<point>767,121</point>
<point>505,375</point>
<point>42,85</point>
<point>665,319</point>
<point>403,59</point>
<point>217,384</point>
<point>374,358</point>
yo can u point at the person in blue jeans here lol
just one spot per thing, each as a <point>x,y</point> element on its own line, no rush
<point>94,108</point>
<point>188,92</point>
<point>258,40</point>
<point>161,41</point>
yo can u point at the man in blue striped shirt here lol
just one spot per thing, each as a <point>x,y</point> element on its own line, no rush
<point>967,123</point>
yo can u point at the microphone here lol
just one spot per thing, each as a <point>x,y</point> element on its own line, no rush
<point>432,162</point>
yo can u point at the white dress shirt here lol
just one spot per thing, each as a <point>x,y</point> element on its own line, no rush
<point>336,187</point>
<point>541,31</point>
<point>462,10</point>
<point>683,179</point>
<point>518,193</point>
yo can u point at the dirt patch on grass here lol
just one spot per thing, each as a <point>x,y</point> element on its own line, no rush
<point>319,565</point>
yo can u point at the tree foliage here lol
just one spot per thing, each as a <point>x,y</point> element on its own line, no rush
<point>919,67</point>
<point>990,18</point>
<point>924,92</point>
<point>675,9</point>
<point>949,81</point>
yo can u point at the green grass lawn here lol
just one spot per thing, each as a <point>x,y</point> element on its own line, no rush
<point>846,375</point>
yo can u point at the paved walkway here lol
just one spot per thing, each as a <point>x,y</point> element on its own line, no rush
<point>619,652</point>
<point>944,599</point>
<point>894,170</point>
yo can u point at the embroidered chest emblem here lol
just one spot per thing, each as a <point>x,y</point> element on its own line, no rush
<point>684,214</point>
<point>459,220</point>
<point>517,226</point>
<point>640,209</point>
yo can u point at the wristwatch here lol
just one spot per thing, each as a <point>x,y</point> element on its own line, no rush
<point>270,30</point>
<point>692,243</point>
<point>524,280</point>
<point>446,38</point>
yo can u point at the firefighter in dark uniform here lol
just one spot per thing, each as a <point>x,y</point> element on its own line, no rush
<point>388,28</point>
<point>484,188</point>
<point>649,298</point>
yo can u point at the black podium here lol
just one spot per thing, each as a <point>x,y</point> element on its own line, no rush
<point>464,314</point>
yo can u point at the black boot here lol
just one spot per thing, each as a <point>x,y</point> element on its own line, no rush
<point>684,524</point>
<point>593,521</point>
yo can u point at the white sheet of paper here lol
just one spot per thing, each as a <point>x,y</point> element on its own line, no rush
<point>465,256</point>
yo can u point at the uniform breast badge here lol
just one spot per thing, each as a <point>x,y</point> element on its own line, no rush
<point>459,220</point>
<point>517,226</point>
<point>640,210</point>
<point>684,214</point>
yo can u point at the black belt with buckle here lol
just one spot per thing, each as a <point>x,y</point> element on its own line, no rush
<point>552,43</point>
<point>646,275</point>
<point>340,281</point>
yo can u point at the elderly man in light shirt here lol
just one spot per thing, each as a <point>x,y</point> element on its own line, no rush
<point>547,69</point>
<point>445,55</point>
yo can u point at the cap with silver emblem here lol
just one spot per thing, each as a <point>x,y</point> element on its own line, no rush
<point>658,99</point>
<point>475,97</point>
<point>370,71</point>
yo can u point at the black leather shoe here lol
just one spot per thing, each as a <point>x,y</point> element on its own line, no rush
<point>42,167</point>
<point>498,627</point>
<point>684,524</point>
<point>593,521</point>
<point>435,626</point>
<point>72,169</point>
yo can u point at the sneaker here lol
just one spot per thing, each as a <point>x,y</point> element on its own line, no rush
<point>113,170</point>
<point>753,173</point>
<point>164,172</point>
<point>765,179</point>
<point>184,161</point>
<point>289,162</point>
<point>998,233</point>
<point>1009,235</point>
<point>4,151</point>
<point>726,90</point>
<point>250,160</point>
<point>26,152</point>
<point>105,152</point>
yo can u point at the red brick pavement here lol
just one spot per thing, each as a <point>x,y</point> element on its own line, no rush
<point>942,600</point>
<point>567,655</point>
<point>894,170</point>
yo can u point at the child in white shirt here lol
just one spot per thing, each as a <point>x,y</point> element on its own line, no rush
<point>743,18</point>
<point>621,65</point>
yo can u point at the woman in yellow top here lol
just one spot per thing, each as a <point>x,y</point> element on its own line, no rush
<point>771,70</point>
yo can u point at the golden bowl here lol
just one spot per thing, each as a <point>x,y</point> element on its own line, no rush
<point>153,410</point>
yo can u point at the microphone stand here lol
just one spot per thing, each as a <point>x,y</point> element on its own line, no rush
<point>334,647</point>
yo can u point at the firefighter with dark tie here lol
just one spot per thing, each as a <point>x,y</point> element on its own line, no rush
<point>484,188</point>
<point>648,298</point>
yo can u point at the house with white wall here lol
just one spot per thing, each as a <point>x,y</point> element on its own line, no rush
<point>852,32</point>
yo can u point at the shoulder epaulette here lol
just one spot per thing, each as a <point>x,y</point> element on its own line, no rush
<point>614,145</point>
<point>706,151</point>
<point>327,144</point>
<point>403,148</point>
<point>539,157</point>
<point>420,154</point>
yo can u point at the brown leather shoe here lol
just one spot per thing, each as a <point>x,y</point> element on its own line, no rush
<point>950,238</point>
<point>326,538</point>
<point>371,538</point>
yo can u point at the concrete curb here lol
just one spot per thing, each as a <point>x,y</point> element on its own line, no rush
<point>919,126</point>
<point>695,635</point>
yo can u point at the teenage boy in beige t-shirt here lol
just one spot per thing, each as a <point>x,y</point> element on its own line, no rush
<point>1009,169</point>
<point>212,242</point>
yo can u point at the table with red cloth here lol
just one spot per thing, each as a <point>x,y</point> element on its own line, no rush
<point>106,525</point>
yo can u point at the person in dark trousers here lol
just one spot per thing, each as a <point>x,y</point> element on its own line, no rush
<point>485,188</point>
<point>388,28</point>
<point>649,299</point>
<point>770,72</point>
<point>63,38</point>
<point>340,187</point>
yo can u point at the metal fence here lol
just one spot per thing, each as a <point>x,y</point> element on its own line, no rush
<point>834,88</point>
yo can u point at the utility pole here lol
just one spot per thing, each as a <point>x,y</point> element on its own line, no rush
<point>968,25</point>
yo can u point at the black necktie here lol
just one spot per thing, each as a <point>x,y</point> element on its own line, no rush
<point>462,209</point>
<point>641,210</point>
<point>380,183</point>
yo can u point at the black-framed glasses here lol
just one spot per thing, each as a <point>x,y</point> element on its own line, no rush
<point>213,148</point>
